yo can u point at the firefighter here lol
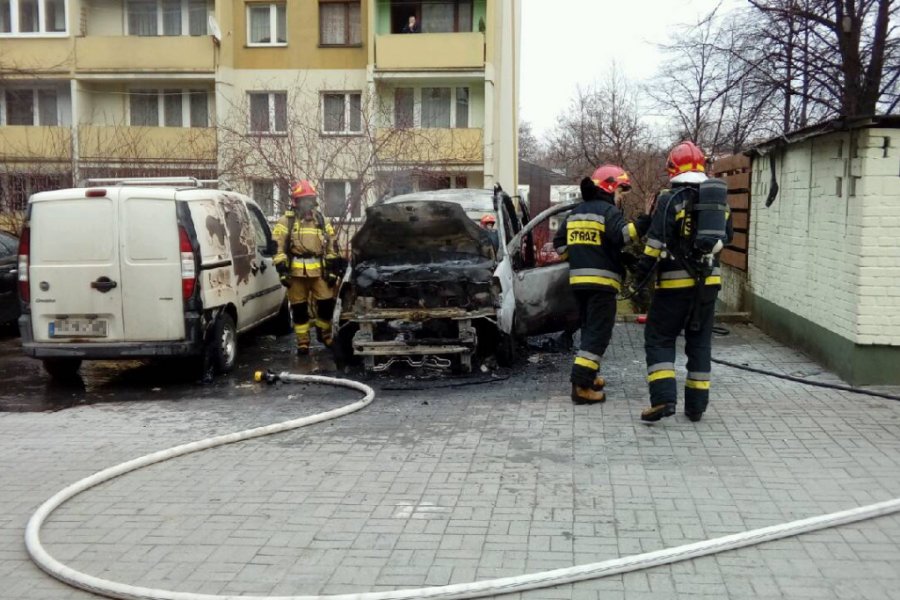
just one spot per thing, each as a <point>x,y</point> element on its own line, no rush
<point>691,224</point>
<point>303,243</point>
<point>488,223</point>
<point>591,239</point>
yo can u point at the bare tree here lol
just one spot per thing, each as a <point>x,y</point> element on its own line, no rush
<point>529,145</point>
<point>603,124</point>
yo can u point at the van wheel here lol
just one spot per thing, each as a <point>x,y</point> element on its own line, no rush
<point>507,347</point>
<point>62,369</point>
<point>223,344</point>
<point>282,324</point>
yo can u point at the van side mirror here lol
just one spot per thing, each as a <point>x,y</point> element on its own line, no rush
<point>272,248</point>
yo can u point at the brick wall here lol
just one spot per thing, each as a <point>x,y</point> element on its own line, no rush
<point>827,248</point>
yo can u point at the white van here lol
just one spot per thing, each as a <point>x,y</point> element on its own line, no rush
<point>130,271</point>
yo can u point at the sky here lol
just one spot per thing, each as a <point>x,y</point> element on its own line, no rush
<point>570,42</point>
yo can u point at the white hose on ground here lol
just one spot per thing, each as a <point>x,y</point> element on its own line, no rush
<point>477,589</point>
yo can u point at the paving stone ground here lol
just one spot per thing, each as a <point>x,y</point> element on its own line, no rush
<point>437,486</point>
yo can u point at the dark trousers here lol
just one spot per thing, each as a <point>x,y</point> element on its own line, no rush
<point>670,314</point>
<point>597,312</point>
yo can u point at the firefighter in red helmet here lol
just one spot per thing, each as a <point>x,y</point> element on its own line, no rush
<point>591,238</point>
<point>690,226</point>
<point>303,242</point>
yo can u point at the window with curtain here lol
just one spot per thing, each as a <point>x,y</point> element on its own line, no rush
<point>267,24</point>
<point>339,23</point>
<point>32,16</point>
<point>144,108</point>
<point>436,107</point>
<point>172,108</point>
<point>268,112</point>
<point>28,16</point>
<point>404,108</point>
<point>446,16</point>
<point>6,16</point>
<point>264,194</point>
<point>142,17</point>
<point>198,17</point>
<point>171,17</point>
<point>19,107</point>
<point>47,108</point>
<point>335,198</point>
<point>55,16</point>
<point>342,112</point>
<point>462,107</point>
<point>199,109</point>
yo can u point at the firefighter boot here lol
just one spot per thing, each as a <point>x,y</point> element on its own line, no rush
<point>599,384</point>
<point>655,413</point>
<point>587,395</point>
<point>323,333</point>
<point>302,332</point>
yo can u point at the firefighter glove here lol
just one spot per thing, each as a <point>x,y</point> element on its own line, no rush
<point>642,224</point>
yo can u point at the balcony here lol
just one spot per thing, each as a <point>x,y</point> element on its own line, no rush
<point>429,52</point>
<point>135,54</point>
<point>191,144</point>
<point>38,144</point>
<point>427,147</point>
<point>26,57</point>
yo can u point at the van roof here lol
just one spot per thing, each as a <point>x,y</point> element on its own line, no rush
<point>181,193</point>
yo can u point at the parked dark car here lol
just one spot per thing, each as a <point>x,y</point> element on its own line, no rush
<point>9,297</point>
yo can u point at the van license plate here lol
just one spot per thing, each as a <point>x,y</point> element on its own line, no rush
<point>78,328</point>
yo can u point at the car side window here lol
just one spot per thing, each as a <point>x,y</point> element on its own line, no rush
<point>260,230</point>
<point>8,245</point>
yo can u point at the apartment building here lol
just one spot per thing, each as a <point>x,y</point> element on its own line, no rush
<point>260,92</point>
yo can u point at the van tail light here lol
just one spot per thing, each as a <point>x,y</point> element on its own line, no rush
<point>188,265</point>
<point>24,255</point>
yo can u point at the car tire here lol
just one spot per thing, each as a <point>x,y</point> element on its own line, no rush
<point>62,369</point>
<point>344,355</point>
<point>223,344</point>
<point>282,323</point>
<point>507,349</point>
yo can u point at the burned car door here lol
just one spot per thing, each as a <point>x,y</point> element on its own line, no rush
<point>544,301</point>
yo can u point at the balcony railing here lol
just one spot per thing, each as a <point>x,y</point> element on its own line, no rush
<point>25,143</point>
<point>135,54</point>
<point>425,147</point>
<point>147,143</point>
<point>429,51</point>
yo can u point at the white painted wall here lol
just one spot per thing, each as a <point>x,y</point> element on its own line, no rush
<point>826,249</point>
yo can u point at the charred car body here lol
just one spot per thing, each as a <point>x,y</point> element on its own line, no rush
<point>427,286</point>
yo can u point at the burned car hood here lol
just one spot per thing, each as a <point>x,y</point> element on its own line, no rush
<point>420,232</point>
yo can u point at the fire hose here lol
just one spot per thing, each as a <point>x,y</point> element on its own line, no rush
<point>477,589</point>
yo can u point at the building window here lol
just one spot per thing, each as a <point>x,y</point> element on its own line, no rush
<point>442,108</point>
<point>342,112</point>
<point>267,24</point>
<point>404,108</point>
<point>268,112</point>
<point>434,16</point>
<point>270,195</point>
<point>30,17</point>
<point>341,199</point>
<point>168,108</point>
<point>29,107</point>
<point>166,17</point>
<point>340,23</point>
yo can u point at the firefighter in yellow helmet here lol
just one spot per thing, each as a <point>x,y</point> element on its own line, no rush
<point>303,244</point>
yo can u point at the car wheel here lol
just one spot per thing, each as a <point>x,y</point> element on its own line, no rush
<point>507,349</point>
<point>62,369</point>
<point>343,346</point>
<point>282,324</point>
<point>223,344</point>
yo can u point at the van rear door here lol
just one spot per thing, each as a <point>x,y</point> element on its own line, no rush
<point>75,282</point>
<point>152,304</point>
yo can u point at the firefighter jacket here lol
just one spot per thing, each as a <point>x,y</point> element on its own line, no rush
<point>310,243</point>
<point>592,238</point>
<point>666,243</point>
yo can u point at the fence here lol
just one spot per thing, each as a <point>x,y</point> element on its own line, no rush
<point>735,170</point>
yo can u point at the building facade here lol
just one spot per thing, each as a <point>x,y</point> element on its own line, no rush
<point>822,266</point>
<point>260,92</point>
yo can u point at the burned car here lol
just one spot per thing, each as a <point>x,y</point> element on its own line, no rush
<point>427,286</point>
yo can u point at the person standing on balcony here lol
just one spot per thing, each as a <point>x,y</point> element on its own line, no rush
<point>411,26</point>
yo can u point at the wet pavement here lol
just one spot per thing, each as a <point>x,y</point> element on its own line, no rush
<point>449,479</point>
